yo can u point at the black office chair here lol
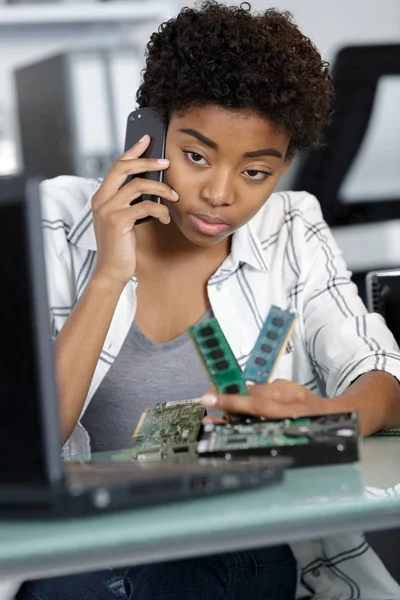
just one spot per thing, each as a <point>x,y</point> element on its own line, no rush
<point>355,75</point>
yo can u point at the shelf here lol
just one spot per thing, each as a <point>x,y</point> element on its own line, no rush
<point>80,13</point>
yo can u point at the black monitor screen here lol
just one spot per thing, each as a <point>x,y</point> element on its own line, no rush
<point>383,290</point>
<point>22,457</point>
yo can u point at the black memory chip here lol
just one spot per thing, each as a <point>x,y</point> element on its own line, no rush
<point>217,354</point>
<point>272,335</point>
<point>266,348</point>
<point>211,343</point>
<point>206,331</point>
<point>260,361</point>
<point>237,440</point>
<point>277,322</point>
<point>232,389</point>
<point>222,365</point>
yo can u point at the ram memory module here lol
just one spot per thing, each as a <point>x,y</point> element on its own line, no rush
<point>218,358</point>
<point>270,345</point>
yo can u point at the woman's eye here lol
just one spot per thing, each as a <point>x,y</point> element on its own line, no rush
<point>196,158</point>
<point>257,175</point>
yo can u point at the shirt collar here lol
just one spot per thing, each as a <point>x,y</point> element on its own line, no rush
<point>246,248</point>
<point>246,245</point>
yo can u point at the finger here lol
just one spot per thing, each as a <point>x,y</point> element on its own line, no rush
<point>262,401</point>
<point>230,403</point>
<point>134,166</point>
<point>139,186</point>
<point>214,420</point>
<point>115,179</point>
<point>122,169</point>
<point>137,149</point>
<point>118,173</point>
<point>251,405</point>
<point>132,191</point>
<point>124,166</point>
<point>144,209</point>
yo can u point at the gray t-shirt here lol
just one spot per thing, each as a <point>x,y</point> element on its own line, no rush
<point>143,374</point>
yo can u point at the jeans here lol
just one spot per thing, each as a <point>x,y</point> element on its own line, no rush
<point>262,574</point>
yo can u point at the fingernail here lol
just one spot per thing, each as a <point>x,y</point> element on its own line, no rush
<point>143,138</point>
<point>163,161</point>
<point>209,400</point>
<point>167,221</point>
<point>175,195</point>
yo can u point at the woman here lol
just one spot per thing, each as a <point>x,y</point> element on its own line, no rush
<point>241,94</point>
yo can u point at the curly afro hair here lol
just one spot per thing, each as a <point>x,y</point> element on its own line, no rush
<point>227,56</point>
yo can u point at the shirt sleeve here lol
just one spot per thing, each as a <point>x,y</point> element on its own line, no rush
<point>57,217</point>
<point>343,340</point>
<point>61,288</point>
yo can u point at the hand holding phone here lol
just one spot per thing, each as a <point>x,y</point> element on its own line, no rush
<point>147,121</point>
<point>115,212</point>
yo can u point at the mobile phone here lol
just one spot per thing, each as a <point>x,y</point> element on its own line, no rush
<point>141,122</point>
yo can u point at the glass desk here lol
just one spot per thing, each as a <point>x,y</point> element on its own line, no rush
<point>310,503</point>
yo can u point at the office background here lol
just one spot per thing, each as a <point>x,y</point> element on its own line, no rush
<point>33,32</point>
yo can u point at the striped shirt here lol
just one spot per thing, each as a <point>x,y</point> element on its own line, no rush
<point>286,256</point>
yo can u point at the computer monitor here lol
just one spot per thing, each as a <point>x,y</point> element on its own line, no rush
<point>383,297</point>
<point>29,446</point>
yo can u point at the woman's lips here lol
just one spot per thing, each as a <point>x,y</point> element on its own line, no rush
<point>206,226</point>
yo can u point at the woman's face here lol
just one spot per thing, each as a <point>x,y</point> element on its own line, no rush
<point>224,164</point>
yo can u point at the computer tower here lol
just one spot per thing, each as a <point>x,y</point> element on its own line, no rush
<point>72,110</point>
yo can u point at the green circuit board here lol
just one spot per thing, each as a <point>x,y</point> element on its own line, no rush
<point>170,430</point>
<point>225,438</point>
<point>321,439</point>
<point>270,345</point>
<point>218,359</point>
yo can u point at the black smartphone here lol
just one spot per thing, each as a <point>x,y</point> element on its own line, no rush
<point>141,122</point>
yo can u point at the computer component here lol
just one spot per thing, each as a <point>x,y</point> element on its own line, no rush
<point>317,440</point>
<point>170,430</point>
<point>383,297</point>
<point>33,478</point>
<point>218,358</point>
<point>220,362</point>
<point>270,345</point>
<point>394,431</point>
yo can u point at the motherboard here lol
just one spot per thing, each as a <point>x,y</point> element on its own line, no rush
<point>170,430</point>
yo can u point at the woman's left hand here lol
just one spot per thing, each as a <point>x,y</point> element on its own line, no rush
<point>280,399</point>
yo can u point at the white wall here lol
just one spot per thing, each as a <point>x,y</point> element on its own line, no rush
<point>332,24</point>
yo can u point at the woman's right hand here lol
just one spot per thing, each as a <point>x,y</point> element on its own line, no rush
<point>114,218</point>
